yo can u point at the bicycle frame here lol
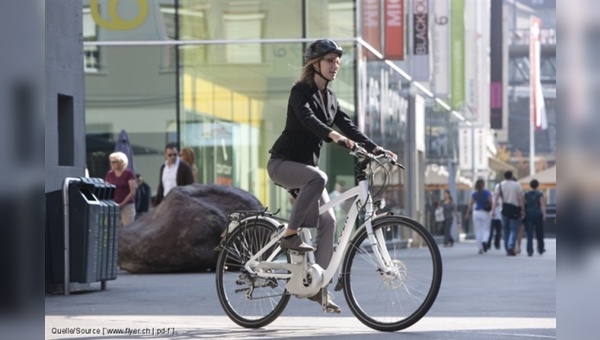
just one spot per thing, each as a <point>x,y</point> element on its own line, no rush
<point>361,194</point>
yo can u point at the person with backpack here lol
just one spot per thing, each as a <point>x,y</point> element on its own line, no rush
<point>481,204</point>
<point>535,215</point>
<point>511,194</point>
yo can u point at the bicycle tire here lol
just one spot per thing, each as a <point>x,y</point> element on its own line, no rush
<point>268,296</point>
<point>397,299</point>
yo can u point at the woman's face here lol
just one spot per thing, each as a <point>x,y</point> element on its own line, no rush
<point>183,156</point>
<point>330,65</point>
<point>116,164</point>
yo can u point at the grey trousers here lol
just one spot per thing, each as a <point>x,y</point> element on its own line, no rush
<point>305,212</point>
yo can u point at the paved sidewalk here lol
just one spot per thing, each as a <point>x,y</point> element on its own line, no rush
<point>489,296</point>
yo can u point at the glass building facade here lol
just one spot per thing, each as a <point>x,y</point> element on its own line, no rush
<point>215,75</point>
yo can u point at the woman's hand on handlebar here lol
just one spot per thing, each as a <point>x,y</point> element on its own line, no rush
<point>380,151</point>
<point>341,140</point>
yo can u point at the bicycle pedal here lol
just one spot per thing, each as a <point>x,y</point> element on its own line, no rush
<point>332,310</point>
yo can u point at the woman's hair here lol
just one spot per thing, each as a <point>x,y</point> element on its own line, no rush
<point>479,184</point>
<point>534,184</point>
<point>187,155</point>
<point>308,72</point>
<point>119,156</point>
<point>449,195</point>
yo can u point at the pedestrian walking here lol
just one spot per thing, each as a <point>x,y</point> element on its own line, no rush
<point>481,205</point>
<point>449,209</point>
<point>496,226</point>
<point>125,186</point>
<point>512,210</point>
<point>535,215</point>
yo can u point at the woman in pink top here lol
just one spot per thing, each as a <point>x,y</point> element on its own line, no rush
<point>124,181</point>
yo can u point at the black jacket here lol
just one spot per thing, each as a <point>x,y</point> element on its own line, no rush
<point>184,177</point>
<point>309,121</point>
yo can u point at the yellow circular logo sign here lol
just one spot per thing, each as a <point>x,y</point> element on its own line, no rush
<point>116,22</point>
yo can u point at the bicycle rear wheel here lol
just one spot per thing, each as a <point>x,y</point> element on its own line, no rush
<point>397,297</point>
<point>250,301</point>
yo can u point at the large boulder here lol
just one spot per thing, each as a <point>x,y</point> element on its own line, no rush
<point>179,235</point>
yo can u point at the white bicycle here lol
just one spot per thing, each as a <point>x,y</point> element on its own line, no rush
<point>390,267</point>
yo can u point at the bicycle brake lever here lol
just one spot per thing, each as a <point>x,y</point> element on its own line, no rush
<point>398,165</point>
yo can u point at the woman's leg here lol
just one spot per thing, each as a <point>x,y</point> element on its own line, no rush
<point>485,230</point>
<point>529,226</point>
<point>448,240</point>
<point>311,182</point>
<point>127,213</point>
<point>539,234</point>
<point>325,234</point>
<point>480,226</point>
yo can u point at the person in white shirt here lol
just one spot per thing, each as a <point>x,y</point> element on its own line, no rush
<point>513,210</point>
<point>173,173</point>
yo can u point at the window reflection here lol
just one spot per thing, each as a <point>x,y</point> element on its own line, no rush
<point>232,98</point>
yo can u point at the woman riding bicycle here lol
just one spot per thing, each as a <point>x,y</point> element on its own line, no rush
<point>313,109</point>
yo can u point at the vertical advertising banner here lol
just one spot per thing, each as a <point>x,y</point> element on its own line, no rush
<point>471,110</point>
<point>480,148</point>
<point>394,29</point>
<point>465,147</point>
<point>441,48</point>
<point>496,63</point>
<point>538,108</point>
<point>420,123</point>
<point>457,56</point>
<point>371,24</point>
<point>472,143</point>
<point>420,40</point>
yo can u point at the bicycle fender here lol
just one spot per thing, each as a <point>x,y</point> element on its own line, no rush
<point>384,217</point>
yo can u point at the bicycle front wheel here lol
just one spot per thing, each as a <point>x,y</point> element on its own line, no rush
<point>249,300</point>
<point>395,297</point>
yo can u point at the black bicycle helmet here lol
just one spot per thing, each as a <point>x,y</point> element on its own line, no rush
<point>320,48</point>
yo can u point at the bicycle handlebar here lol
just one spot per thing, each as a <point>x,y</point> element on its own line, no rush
<point>359,151</point>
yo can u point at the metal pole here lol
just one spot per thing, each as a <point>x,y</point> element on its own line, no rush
<point>531,138</point>
<point>410,154</point>
<point>177,79</point>
<point>474,174</point>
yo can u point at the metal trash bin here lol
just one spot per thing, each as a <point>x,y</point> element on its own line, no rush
<point>108,224</point>
<point>90,229</point>
<point>85,241</point>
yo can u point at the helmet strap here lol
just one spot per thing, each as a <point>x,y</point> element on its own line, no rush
<point>318,71</point>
